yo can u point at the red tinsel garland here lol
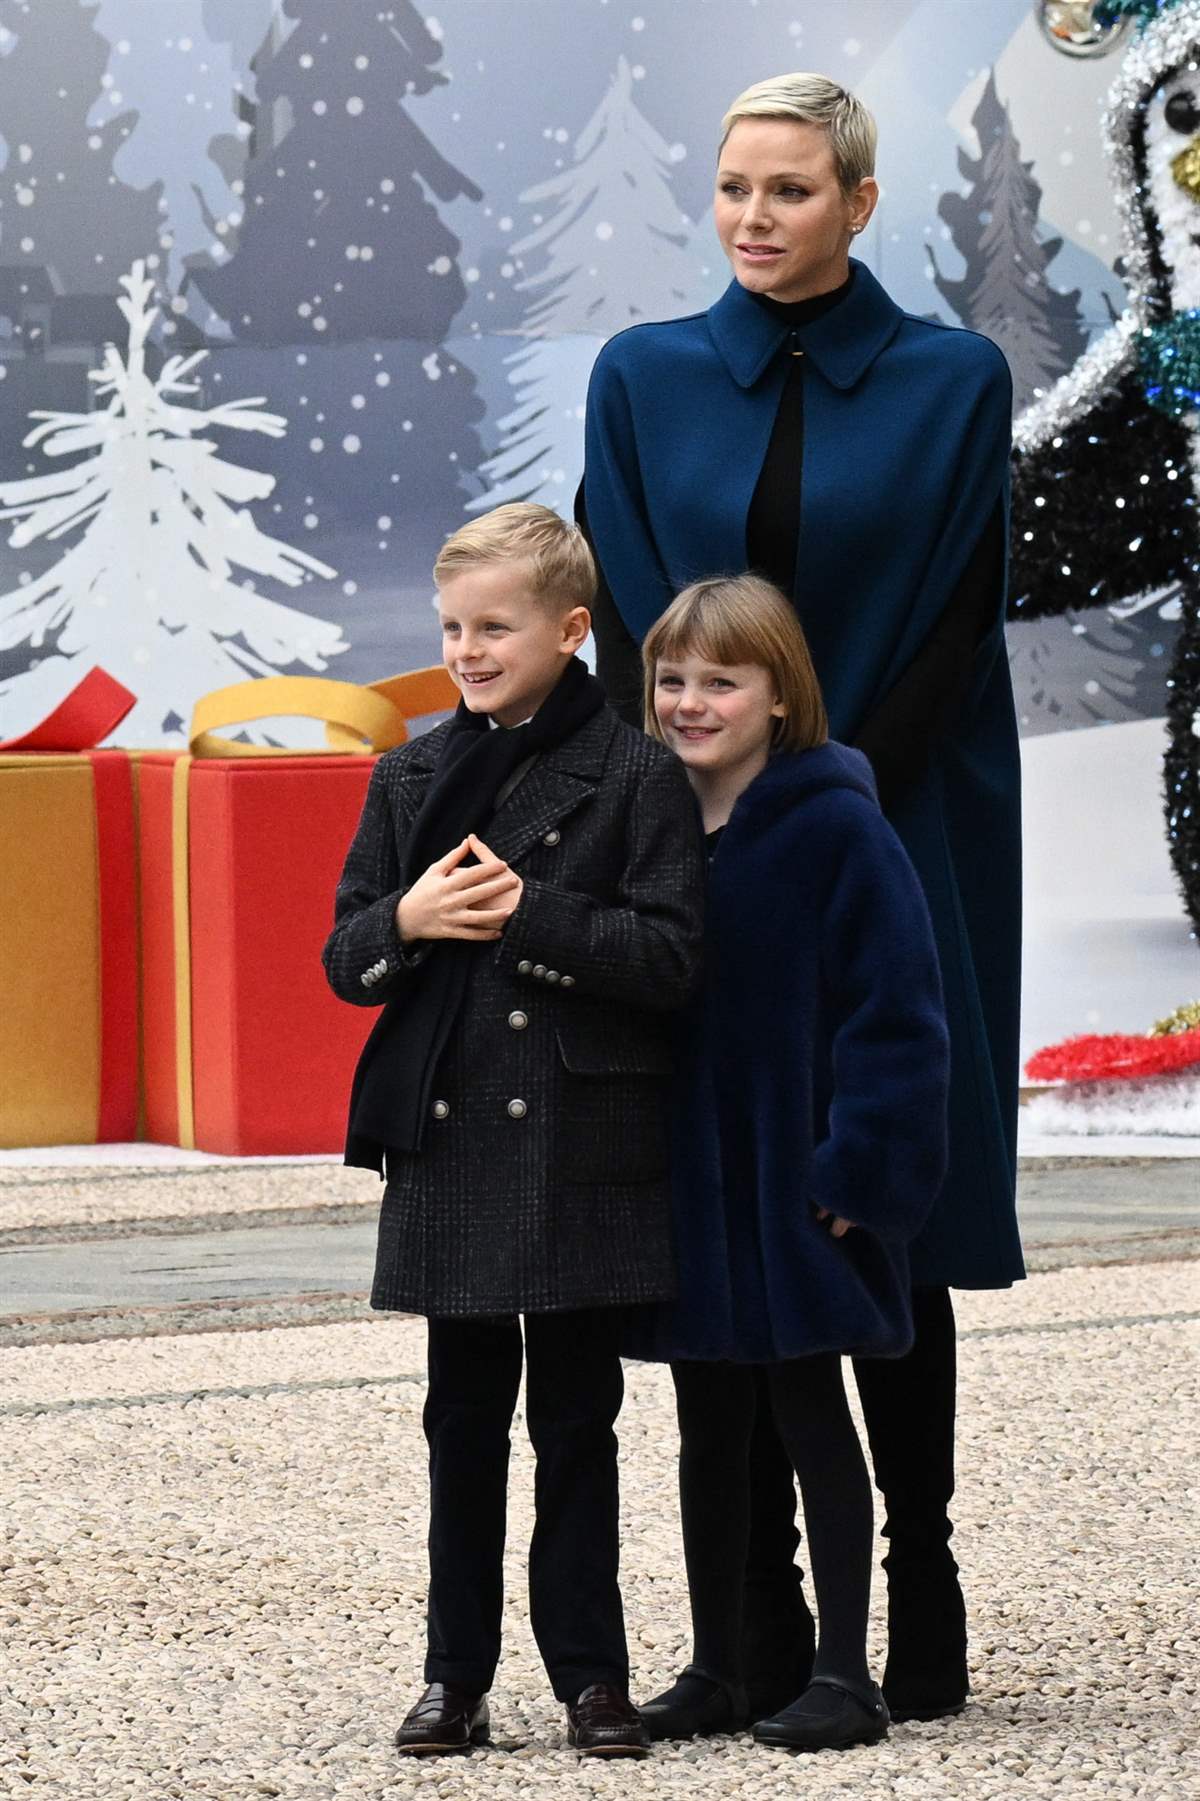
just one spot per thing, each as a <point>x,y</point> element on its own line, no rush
<point>1096,1056</point>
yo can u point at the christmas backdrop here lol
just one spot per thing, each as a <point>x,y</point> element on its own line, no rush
<point>378,247</point>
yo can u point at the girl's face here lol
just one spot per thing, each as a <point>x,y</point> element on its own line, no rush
<point>783,221</point>
<point>717,717</point>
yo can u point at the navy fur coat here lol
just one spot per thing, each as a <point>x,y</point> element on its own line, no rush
<point>813,1073</point>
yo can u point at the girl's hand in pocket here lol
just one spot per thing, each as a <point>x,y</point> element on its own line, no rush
<point>838,1227</point>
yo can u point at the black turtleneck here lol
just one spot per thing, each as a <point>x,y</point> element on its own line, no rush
<point>773,522</point>
<point>899,735</point>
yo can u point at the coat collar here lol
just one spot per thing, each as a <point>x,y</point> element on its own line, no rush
<point>582,755</point>
<point>843,343</point>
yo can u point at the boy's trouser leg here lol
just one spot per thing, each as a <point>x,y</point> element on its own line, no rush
<point>573,1392</point>
<point>474,1376</point>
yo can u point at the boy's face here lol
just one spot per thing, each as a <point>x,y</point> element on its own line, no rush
<point>505,647</point>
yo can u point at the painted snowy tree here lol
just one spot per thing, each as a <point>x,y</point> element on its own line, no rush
<point>342,250</point>
<point>63,212</point>
<point>1005,290</point>
<point>338,227</point>
<point>615,246</point>
<point>614,250</point>
<point>147,588</point>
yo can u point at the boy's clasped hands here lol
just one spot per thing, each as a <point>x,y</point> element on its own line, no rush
<point>454,899</point>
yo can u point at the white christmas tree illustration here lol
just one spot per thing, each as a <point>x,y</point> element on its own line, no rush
<point>615,249</point>
<point>147,589</point>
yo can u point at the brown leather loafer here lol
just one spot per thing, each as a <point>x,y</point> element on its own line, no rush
<point>603,1722</point>
<point>443,1721</point>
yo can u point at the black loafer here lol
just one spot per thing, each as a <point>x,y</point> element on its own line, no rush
<point>695,1705</point>
<point>443,1721</point>
<point>831,1715</point>
<point>603,1722</point>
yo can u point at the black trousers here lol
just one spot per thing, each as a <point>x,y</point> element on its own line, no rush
<point>718,1405</point>
<point>573,1392</point>
<point>908,1406</point>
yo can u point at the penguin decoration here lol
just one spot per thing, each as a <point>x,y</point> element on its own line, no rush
<point>1106,469</point>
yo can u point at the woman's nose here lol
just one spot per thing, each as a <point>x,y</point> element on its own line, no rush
<point>756,215</point>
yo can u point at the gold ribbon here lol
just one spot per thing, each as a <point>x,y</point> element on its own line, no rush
<point>357,720</point>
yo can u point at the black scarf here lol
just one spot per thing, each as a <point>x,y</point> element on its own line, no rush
<point>389,1102</point>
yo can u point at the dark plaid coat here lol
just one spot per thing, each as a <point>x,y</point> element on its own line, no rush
<point>541,1183</point>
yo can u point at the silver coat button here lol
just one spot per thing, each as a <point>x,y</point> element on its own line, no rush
<point>568,981</point>
<point>552,975</point>
<point>539,970</point>
<point>518,1021</point>
<point>441,1109</point>
<point>551,838</point>
<point>524,967</point>
<point>517,1109</point>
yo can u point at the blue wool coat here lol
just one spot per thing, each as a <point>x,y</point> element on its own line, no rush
<point>906,443</point>
<point>813,1073</point>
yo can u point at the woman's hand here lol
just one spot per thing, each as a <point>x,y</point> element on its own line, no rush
<point>449,901</point>
<point>839,1227</point>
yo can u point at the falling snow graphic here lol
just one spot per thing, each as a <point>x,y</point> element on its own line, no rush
<point>147,589</point>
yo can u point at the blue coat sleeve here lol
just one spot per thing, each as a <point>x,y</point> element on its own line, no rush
<point>884,1158</point>
<point>615,499</point>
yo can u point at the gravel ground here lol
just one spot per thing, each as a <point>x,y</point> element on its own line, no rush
<point>213,1562</point>
<point>83,1201</point>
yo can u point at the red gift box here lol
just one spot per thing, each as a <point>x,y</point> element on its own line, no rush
<point>246,1050</point>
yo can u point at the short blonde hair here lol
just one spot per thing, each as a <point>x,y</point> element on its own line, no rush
<point>564,571</point>
<point>733,619</point>
<point>814,100</point>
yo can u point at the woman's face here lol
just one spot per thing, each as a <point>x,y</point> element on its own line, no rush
<point>716,716</point>
<point>783,221</point>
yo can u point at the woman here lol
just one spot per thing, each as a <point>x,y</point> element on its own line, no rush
<point>858,457</point>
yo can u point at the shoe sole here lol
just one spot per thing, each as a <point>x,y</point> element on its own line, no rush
<point>612,1750</point>
<point>850,1744</point>
<point>431,1750</point>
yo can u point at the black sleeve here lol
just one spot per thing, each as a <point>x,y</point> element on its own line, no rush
<point>899,736</point>
<point>618,657</point>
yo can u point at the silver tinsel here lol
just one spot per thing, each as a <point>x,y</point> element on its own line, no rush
<point>1171,41</point>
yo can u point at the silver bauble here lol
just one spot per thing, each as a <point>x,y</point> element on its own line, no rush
<point>1071,26</point>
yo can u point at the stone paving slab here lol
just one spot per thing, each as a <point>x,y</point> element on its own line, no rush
<point>212,1565</point>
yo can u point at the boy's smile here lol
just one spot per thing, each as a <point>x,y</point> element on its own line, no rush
<point>504,645</point>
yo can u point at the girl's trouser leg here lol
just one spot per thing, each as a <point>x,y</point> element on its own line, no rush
<point>474,1376</point>
<point>811,1412</point>
<point>779,1634</point>
<point>573,1391</point>
<point>715,1403</point>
